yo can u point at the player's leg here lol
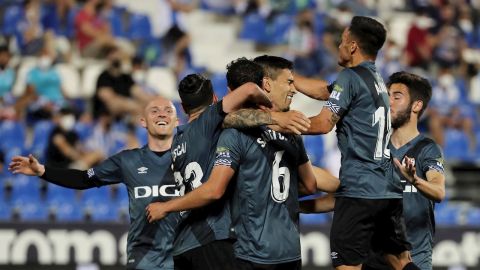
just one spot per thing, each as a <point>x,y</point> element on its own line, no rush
<point>351,232</point>
<point>391,232</point>
<point>182,261</point>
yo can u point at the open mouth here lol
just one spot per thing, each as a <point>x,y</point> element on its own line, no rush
<point>161,123</point>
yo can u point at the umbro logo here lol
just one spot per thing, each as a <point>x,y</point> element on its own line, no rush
<point>142,170</point>
<point>334,255</point>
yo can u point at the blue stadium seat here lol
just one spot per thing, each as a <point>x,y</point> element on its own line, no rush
<point>25,189</point>
<point>5,211</point>
<point>84,130</point>
<point>115,17</point>
<point>219,83</point>
<point>59,193</point>
<point>315,149</point>
<point>66,210</point>
<point>12,135</point>
<point>314,219</point>
<point>254,27</point>
<point>30,208</point>
<point>104,213</point>
<point>41,134</point>
<point>10,19</point>
<point>473,217</point>
<point>456,146</point>
<point>277,30</point>
<point>448,215</point>
<point>94,196</point>
<point>140,28</point>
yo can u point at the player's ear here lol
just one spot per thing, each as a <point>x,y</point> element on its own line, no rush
<point>266,84</point>
<point>353,46</point>
<point>417,106</point>
<point>143,122</point>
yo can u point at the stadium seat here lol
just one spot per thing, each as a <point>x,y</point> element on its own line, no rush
<point>65,210</point>
<point>90,77</point>
<point>5,211</point>
<point>57,193</point>
<point>473,217</point>
<point>163,81</point>
<point>315,149</point>
<point>277,30</point>
<point>10,18</point>
<point>448,215</point>
<point>21,82</point>
<point>29,208</point>
<point>456,146</point>
<point>219,83</point>
<point>70,79</point>
<point>12,136</point>
<point>41,134</point>
<point>314,219</point>
<point>115,17</point>
<point>140,28</point>
<point>254,27</point>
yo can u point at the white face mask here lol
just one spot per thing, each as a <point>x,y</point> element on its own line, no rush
<point>394,53</point>
<point>424,22</point>
<point>446,80</point>
<point>67,122</point>
<point>44,62</point>
<point>139,76</point>
<point>466,25</point>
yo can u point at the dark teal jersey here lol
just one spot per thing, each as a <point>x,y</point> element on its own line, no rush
<point>264,201</point>
<point>418,209</point>
<point>363,133</point>
<point>148,178</point>
<point>193,153</point>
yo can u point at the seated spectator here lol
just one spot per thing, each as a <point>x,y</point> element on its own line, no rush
<point>44,87</point>
<point>418,50</point>
<point>64,149</point>
<point>117,94</point>
<point>92,32</point>
<point>7,79</point>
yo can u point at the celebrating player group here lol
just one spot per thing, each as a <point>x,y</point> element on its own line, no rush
<point>239,166</point>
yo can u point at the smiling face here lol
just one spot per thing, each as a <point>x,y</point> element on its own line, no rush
<point>160,118</point>
<point>282,90</point>
<point>400,105</point>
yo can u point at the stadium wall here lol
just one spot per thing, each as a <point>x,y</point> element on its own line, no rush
<point>67,246</point>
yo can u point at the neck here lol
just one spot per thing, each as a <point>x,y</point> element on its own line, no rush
<point>405,133</point>
<point>160,144</point>
<point>195,115</point>
<point>358,59</point>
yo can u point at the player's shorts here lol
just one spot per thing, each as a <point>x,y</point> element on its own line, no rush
<point>217,255</point>
<point>248,265</point>
<point>363,225</point>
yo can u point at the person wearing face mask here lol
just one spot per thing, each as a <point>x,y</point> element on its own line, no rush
<point>63,148</point>
<point>418,49</point>
<point>117,94</point>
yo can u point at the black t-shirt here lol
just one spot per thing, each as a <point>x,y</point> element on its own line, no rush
<point>55,157</point>
<point>120,84</point>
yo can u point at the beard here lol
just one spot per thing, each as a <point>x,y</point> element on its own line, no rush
<point>402,118</point>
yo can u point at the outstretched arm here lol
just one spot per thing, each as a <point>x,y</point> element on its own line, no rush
<point>290,122</point>
<point>248,92</point>
<point>314,88</point>
<point>323,204</point>
<point>207,193</point>
<point>68,178</point>
<point>324,122</point>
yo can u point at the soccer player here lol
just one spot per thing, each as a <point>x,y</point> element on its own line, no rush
<point>202,241</point>
<point>368,203</point>
<point>264,199</point>
<point>149,245</point>
<point>421,166</point>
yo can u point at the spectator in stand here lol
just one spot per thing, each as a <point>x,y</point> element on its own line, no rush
<point>7,79</point>
<point>117,94</point>
<point>92,32</point>
<point>418,49</point>
<point>44,87</point>
<point>64,150</point>
<point>446,110</point>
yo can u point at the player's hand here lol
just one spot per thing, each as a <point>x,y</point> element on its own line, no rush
<point>290,122</point>
<point>156,211</point>
<point>408,170</point>
<point>26,165</point>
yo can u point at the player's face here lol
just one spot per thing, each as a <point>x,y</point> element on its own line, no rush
<point>282,90</point>
<point>344,55</point>
<point>160,117</point>
<point>400,105</point>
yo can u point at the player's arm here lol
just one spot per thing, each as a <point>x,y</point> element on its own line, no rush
<point>433,187</point>
<point>207,193</point>
<point>248,92</point>
<point>324,122</point>
<point>290,122</point>
<point>315,178</point>
<point>322,204</point>
<point>314,88</point>
<point>68,178</point>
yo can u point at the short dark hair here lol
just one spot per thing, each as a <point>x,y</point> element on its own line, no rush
<point>369,33</point>
<point>243,70</point>
<point>272,65</point>
<point>196,93</point>
<point>418,87</point>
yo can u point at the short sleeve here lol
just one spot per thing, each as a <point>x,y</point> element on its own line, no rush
<point>432,159</point>
<point>103,80</point>
<point>210,120</point>
<point>107,172</point>
<point>303,156</point>
<point>228,151</point>
<point>342,94</point>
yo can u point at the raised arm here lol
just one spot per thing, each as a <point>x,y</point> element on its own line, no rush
<point>68,178</point>
<point>207,193</point>
<point>433,187</point>
<point>247,93</point>
<point>314,88</point>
